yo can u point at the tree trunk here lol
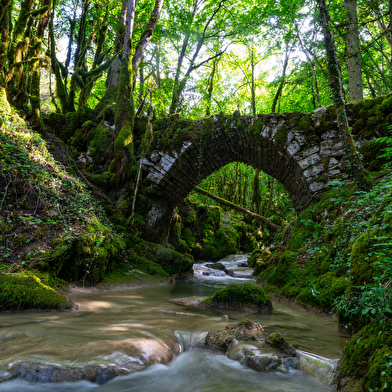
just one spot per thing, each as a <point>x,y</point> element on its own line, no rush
<point>69,50</point>
<point>35,64</point>
<point>316,86</point>
<point>211,87</point>
<point>5,25</point>
<point>114,71</point>
<point>283,79</point>
<point>353,51</point>
<point>255,204</point>
<point>355,167</point>
<point>176,87</point>
<point>237,208</point>
<point>15,81</point>
<point>271,196</point>
<point>129,23</point>
<point>125,110</point>
<point>371,88</point>
<point>252,64</point>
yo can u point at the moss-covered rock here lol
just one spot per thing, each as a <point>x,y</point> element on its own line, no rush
<point>278,342</point>
<point>22,291</point>
<point>282,273</point>
<point>244,331</point>
<point>87,257</point>
<point>247,296</point>
<point>199,230</point>
<point>172,262</point>
<point>366,364</point>
<point>256,253</point>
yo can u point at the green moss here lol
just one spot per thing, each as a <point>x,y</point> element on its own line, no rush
<point>362,265</point>
<point>322,291</point>
<point>367,357</point>
<point>88,256</point>
<point>254,257</point>
<point>124,140</point>
<point>267,259</point>
<point>172,262</point>
<point>282,272</point>
<point>138,267</point>
<point>387,104</point>
<point>281,135</point>
<point>56,121</point>
<point>71,124</point>
<point>22,291</point>
<point>240,295</point>
<point>278,342</point>
<point>213,216</point>
<point>191,218</point>
<point>257,125</point>
<point>370,153</point>
<point>100,142</point>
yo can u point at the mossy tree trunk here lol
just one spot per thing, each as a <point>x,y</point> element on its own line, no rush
<point>125,162</point>
<point>353,159</point>
<point>36,61</point>
<point>16,78</point>
<point>5,26</point>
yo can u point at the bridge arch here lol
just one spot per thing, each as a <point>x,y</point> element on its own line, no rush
<point>302,151</point>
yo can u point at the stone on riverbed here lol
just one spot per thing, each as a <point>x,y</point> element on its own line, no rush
<point>219,267</point>
<point>123,357</point>
<point>248,343</point>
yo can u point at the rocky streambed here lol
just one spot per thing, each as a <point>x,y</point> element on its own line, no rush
<point>142,336</point>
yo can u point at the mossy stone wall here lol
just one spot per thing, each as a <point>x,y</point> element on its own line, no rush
<point>303,151</point>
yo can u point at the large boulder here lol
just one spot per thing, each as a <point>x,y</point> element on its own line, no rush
<point>248,343</point>
<point>240,296</point>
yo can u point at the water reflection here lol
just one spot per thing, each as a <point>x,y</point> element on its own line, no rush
<point>107,321</point>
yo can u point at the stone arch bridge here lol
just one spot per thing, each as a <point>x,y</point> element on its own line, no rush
<point>302,151</point>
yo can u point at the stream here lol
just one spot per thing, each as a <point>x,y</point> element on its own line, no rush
<point>105,325</point>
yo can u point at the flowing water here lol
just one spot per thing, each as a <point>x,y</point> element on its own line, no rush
<point>107,321</point>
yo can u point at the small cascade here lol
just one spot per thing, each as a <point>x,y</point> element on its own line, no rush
<point>233,268</point>
<point>318,367</point>
<point>190,340</point>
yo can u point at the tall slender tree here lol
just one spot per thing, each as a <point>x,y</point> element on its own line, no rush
<point>351,154</point>
<point>353,51</point>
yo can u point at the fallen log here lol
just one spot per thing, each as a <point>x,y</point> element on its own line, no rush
<point>237,207</point>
